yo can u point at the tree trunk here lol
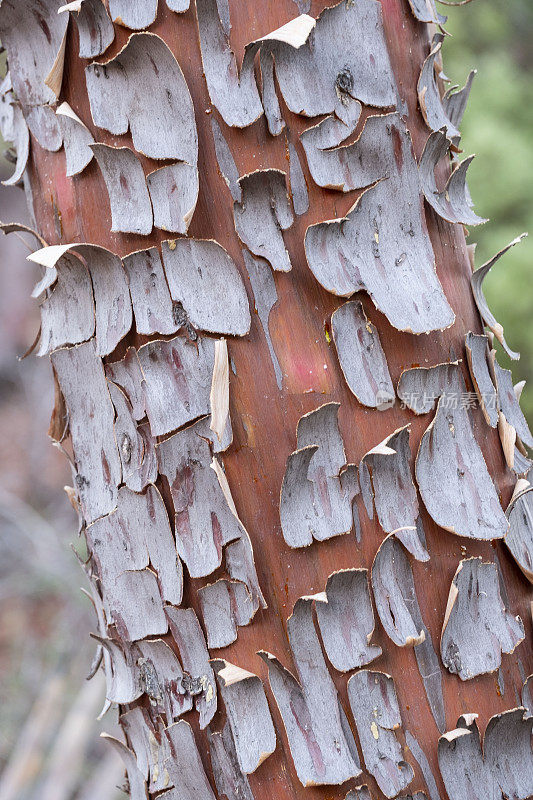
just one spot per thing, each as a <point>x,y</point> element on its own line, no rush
<point>285,367</point>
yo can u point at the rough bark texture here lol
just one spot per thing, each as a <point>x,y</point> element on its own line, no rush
<point>220,481</point>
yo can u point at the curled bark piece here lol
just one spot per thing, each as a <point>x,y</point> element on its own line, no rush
<point>76,140</point>
<point>382,245</point>
<point>71,290</point>
<point>185,766</point>
<point>95,29</point>
<point>455,100</point>
<point>176,381</point>
<point>504,766</point>
<point>527,694</point>
<point>239,552</point>
<point>18,227</point>
<point>425,11</point>
<point>135,535</point>
<point>43,124</point>
<point>241,567</point>
<point>111,293</point>
<point>393,487</point>
<point>123,544</point>
<point>452,475</point>
<point>461,763</point>
<point>477,627</point>
<point>173,191</point>
<point>33,34</point>
<point>204,280</point>
<point>122,679</point>
<point>477,356</point>
<point>219,395</point>
<point>341,71</point>
<point>320,739</point>
<point>477,289</point>
<point>143,89</point>
<point>507,751</point>
<point>441,113</point>
<point>137,727</point>
<point>374,705</point>
<point>361,356</point>
<point>136,782</point>
<point>15,130</point>
<point>133,14</point>
<point>299,193</point>
<point>454,203</point>
<point>354,166</point>
<point>91,427</point>
<point>331,131</point>
<point>399,612</point>
<point>233,91</point>
<point>199,680</point>
<point>152,304</point>
<point>204,521</point>
<point>509,404</point>
<point>135,444</point>
<point>273,115</point>
<point>263,213</point>
<point>248,714</point>
<point>131,208</point>
<point>226,605</point>
<point>230,781</point>
<point>203,429</point>
<point>519,538</point>
<point>420,388</point>
<point>161,678</point>
<point>179,6</point>
<point>313,502</point>
<point>151,748</point>
<point>226,162</point>
<point>346,620</point>
<point>127,374</point>
<point>265,296</point>
<point>395,595</point>
<point>508,439</point>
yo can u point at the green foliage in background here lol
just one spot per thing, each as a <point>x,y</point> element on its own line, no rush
<point>495,37</point>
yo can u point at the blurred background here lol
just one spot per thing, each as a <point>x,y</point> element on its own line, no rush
<point>49,746</point>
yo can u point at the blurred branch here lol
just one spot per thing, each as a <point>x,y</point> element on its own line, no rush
<point>28,753</point>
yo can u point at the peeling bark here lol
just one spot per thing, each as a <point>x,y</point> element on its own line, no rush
<point>385,228</point>
<point>503,768</point>
<point>320,740</point>
<point>375,708</point>
<point>170,401</point>
<point>477,627</point>
<point>361,356</point>
<point>262,214</point>
<point>248,715</point>
<point>346,620</point>
<point>95,29</point>
<point>315,503</point>
<point>460,498</point>
<point>454,202</point>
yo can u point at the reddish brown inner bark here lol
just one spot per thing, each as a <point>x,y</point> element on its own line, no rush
<point>265,418</point>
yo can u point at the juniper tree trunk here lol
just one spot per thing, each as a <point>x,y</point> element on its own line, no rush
<point>279,227</point>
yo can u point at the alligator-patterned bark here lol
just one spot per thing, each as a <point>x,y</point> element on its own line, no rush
<point>250,545</point>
